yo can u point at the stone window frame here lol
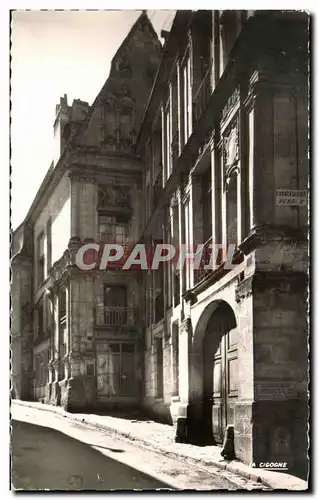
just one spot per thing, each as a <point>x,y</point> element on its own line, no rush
<point>41,258</point>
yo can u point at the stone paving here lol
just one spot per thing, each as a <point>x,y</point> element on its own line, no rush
<point>160,437</point>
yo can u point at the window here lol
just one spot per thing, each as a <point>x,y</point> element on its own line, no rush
<point>230,25</point>
<point>48,314</point>
<point>207,204</point>
<point>159,292</point>
<point>49,245</point>
<point>41,368</point>
<point>202,69</point>
<point>62,355</point>
<point>175,358</point>
<point>113,229</point>
<point>62,305</point>
<point>231,211</point>
<point>187,239</point>
<point>90,369</point>
<point>176,227</point>
<point>174,118</point>
<point>167,132</point>
<point>46,359</point>
<point>115,295</point>
<point>40,320</point>
<point>115,301</point>
<point>176,288</point>
<point>37,371</point>
<point>186,99</point>
<point>41,259</point>
<point>159,367</point>
<point>149,302</point>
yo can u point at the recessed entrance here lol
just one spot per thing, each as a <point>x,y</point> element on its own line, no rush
<point>116,370</point>
<point>215,370</point>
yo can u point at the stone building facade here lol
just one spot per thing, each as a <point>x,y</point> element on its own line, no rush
<point>224,131</point>
<point>197,158</point>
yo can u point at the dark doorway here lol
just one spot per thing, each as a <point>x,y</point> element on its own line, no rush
<point>220,365</point>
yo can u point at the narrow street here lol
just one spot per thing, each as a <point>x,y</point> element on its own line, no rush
<point>50,452</point>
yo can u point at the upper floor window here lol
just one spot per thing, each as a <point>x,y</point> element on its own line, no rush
<point>49,245</point>
<point>43,317</point>
<point>167,139</point>
<point>41,259</point>
<point>230,25</point>
<point>202,63</point>
<point>115,305</point>
<point>113,229</point>
<point>174,116</point>
<point>186,98</point>
<point>115,295</point>
<point>40,319</point>
<point>62,305</point>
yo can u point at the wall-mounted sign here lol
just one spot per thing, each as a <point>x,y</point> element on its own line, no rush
<point>292,197</point>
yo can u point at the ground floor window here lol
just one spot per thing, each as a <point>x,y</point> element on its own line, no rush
<point>117,369</point>
<point>41,368</point>
<point>159,367</point>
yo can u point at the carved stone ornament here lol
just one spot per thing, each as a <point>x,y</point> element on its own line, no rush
<point>174,200</point>
<point>111,195</point>
<point>231,153</point>
<point>123,91</point>
<point>122,63</point>
<point>231,147</point>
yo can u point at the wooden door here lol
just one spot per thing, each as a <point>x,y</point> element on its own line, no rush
<point>117,371</point>
<point>220,384</point>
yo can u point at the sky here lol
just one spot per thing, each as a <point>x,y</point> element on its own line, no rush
<point>55,53</point>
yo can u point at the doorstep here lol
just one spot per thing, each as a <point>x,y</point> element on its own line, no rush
<point>160,438</point>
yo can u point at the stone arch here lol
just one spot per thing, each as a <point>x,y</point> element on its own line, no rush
<point>217,319</point>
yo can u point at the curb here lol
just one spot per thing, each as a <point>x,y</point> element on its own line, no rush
<point>270,479</point>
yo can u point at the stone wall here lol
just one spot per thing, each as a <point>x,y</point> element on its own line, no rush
<point>158,407</point>
<point>57,203</point>
<point>21,329</point>
<point>281,371</point>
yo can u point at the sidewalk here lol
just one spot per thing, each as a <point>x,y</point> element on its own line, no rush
<point>160,438</point>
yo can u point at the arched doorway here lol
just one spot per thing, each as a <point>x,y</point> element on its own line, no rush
<point>219,365</point>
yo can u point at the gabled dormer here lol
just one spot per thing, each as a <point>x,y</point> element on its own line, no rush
<point>116,115</point>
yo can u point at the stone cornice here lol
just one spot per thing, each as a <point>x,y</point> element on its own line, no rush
<point>277,281</point>
<point>264,233</point>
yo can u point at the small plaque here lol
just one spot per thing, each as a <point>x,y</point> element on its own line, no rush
<point>292,197</point>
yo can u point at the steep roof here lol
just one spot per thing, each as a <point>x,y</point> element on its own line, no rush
<point>142,21</point>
